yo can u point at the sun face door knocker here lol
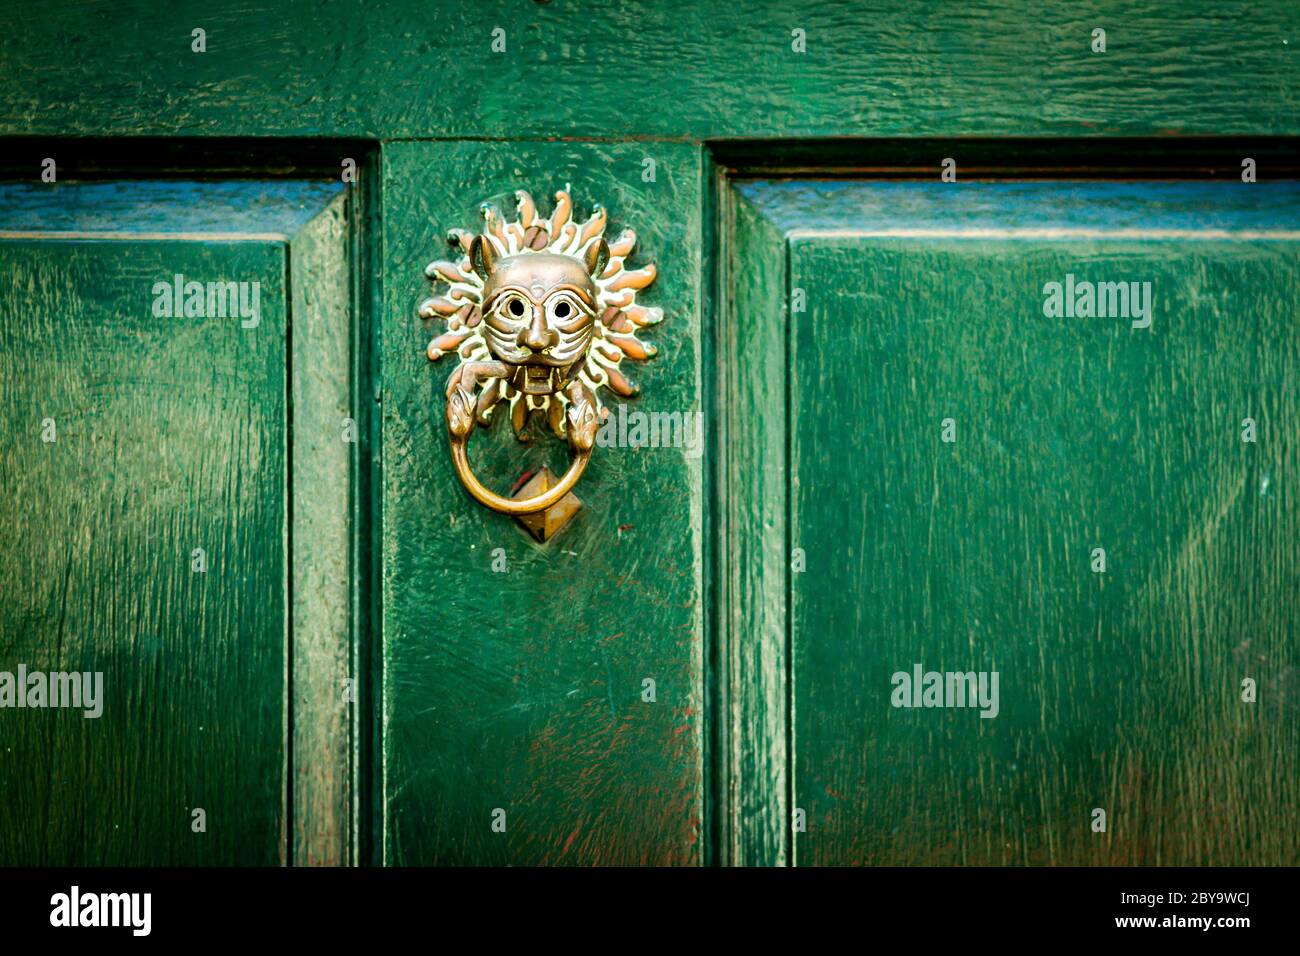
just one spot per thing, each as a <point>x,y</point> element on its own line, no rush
<point>542,313</point>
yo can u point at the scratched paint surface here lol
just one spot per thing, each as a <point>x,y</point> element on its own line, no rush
<point>169,437</point>
<point>671,68</point>
<point>522,690</point>
<point>1118,690</point>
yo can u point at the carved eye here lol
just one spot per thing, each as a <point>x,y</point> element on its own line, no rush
<point>515,307</point>
<point>562,309</point>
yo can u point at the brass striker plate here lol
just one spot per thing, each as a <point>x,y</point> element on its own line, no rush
<point>544,525</point>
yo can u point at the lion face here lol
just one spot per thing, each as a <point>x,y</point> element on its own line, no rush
<point>539,313</point>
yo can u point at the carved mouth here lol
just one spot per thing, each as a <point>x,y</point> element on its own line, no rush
<point>535,379</point>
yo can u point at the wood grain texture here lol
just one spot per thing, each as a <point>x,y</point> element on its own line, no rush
<point>367,491</point>
<point>259,211</point>
<point>321,505</point>
<point>522,690</point>
<point>172,431</point>
<point>668,69</point>
<point>1118,690</point>
<point>170,437</point>
<point>754,544</point>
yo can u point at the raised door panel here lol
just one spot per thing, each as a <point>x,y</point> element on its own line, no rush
<point>145,452</point>
<point>1091,505</point>
<point>145,549</point>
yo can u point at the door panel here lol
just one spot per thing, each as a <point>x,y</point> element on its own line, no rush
<point>1119,689</point>
<point>514,672</point>
<point>167,439</point>
<point>145,453</point>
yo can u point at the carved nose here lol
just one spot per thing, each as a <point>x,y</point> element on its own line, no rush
<point>538,337</point>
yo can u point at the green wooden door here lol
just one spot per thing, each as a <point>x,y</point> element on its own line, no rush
<point>903,461</point>
<point>1071,513</point>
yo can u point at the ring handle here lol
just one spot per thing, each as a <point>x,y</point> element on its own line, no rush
<point>541,312</point>
<point>513,506</point>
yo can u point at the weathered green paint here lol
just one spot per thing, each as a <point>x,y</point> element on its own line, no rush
<point>675,68</point>
<point>174,434</point>
<point>753,550</point>
<point>170,437</point>
<point>367,587</point>
<point>1118,690</point>
<point>522,690</point>
<point>263,210</point>
<point>326,434</point>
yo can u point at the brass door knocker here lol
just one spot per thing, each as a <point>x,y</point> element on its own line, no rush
<point>542,313</point>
